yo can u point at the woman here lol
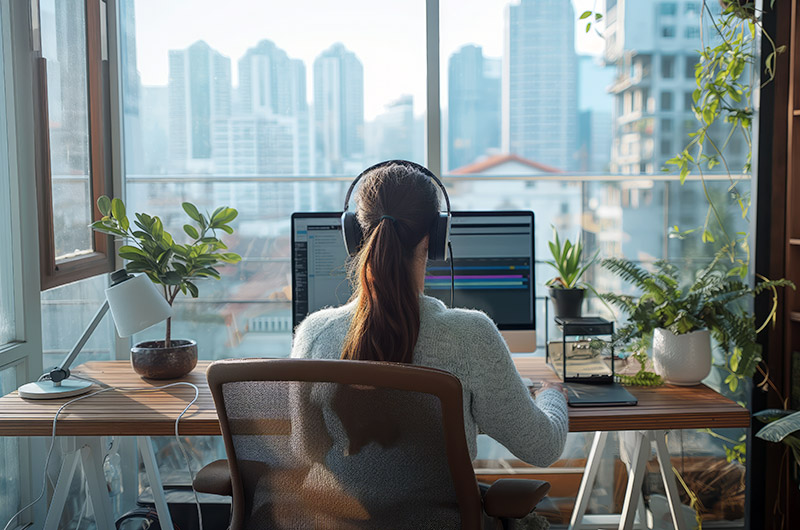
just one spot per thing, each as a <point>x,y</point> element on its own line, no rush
<point>389,319</point>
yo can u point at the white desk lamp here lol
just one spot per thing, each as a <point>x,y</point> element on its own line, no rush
<point>135,305</point>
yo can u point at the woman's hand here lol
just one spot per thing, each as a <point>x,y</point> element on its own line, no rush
<point>555,386</point>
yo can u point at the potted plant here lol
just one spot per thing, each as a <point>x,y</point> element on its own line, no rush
<point>566,290</point>
<point>681,319</point>
<point>173,266</point>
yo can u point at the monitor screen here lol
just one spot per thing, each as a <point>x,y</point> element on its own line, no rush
<point>493,260</point>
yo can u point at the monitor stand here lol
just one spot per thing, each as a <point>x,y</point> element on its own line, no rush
<point>520,340</point>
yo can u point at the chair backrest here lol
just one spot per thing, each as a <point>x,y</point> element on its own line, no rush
<point>344,444</point>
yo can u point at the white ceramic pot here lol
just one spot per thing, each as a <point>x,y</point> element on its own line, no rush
<point>682,359</point>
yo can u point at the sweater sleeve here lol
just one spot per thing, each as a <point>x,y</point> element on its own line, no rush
<point>535,431</point>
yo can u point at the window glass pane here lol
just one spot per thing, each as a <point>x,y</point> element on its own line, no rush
<point>227,98</point>
<point>667,66</point>
<point>63,30</point>
<point>66,311</point>
<point>7,316</point>
<point>9,456</point>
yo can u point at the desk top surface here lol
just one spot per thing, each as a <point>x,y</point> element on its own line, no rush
<point>153,413</point>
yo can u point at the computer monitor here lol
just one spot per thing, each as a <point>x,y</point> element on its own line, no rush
<point>493,259</point>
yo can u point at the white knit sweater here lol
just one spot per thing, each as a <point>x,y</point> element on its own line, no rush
<point>467,344</point>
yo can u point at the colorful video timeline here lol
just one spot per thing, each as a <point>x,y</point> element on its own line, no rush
<point>480,277</point>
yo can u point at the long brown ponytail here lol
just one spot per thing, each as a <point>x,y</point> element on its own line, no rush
<point>396,206</point>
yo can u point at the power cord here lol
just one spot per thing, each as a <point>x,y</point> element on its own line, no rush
<point>177,438</point>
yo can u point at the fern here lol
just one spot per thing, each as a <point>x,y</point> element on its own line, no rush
<point>715,300</point>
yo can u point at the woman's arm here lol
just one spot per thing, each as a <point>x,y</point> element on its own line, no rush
<point>535,431</point>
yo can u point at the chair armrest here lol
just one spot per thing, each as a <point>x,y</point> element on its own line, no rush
<point>214,478</point>
<point>514,498</point>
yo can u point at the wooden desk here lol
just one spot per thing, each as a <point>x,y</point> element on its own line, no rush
<point>144,413</point>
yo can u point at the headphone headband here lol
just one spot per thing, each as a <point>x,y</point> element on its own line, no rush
<point>407,163</point>
<point>439,232</point>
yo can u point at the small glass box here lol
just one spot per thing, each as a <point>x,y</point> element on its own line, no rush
<point>584,354</point>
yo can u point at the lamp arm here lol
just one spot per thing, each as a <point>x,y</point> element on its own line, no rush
<point>61,372</point>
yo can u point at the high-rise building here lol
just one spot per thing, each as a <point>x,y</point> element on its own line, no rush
<point>594,115</point>
<point>651,45</point>
<point>199,95</point>
<point>338,110</point>
<point>473,106</point>
<point>392,134</point>
<point>272,88</point>
<point>131,100</point>
<point>539,101</point>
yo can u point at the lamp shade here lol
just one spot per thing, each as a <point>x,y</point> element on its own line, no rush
<point>136,304</point>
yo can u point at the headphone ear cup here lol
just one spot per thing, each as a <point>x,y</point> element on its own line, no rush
<point>439,236</point>
<point>351,233</point>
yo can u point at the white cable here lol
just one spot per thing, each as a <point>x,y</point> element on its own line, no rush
<point>177,438</point>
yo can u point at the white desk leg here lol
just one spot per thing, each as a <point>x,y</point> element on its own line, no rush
<point>65,476</point>
<point>668,478</point>
<point>154,478</point>
<point>587,482</point>
<point>639,458</point>
<point>92,458</point>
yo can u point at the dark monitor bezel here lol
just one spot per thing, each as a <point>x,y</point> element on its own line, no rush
<point>471,213</point>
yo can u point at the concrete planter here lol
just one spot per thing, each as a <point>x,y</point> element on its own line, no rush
<point>682,359</point>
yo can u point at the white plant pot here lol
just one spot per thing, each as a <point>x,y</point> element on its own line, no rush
<point>682,359</point>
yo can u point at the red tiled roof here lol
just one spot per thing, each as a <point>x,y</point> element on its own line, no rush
<point>496,160</point>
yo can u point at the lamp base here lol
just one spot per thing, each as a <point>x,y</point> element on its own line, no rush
<point>47,390</point>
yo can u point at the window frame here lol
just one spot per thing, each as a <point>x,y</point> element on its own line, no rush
<point>101,260</point>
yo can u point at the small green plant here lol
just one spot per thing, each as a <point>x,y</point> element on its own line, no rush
<point>714,301</point>
<point>154,252</point>
<point>567,262</point>
<point>782,426</point>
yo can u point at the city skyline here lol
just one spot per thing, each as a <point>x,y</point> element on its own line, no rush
<point>397,55</point>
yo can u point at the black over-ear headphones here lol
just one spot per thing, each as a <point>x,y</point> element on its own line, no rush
<point>439,231</point>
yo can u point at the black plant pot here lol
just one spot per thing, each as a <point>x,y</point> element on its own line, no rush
<point>153,361</point>
<point>566,302</point>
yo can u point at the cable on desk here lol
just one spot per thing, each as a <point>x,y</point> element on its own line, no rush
<point>177,438</point>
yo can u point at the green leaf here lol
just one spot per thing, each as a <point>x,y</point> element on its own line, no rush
<point>172,278</point>
<point>780,428</point>
<point>585,14</point>
<point>191,231</point>
<point>223,216</point>
<point>229,257</point>
<point>104,205</point>
<point>192,288</point>
<point>191,211</point>
<point>132,250</point>
<point>684,173</point>
<point>118,209</point>
<point>588,27</point>
<point>226,228</point>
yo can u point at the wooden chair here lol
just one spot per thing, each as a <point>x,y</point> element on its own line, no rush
<point>350,444</point>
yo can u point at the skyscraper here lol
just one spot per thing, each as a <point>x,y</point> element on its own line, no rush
<point>473,106</point>
<point>392,134</point>
<point>539,103</point>
<point>134,148</point>
<point>199,94</point>
<point>272,95</point>
<point>338,110</point>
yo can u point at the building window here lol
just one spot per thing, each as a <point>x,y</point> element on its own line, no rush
<point>668,32</point>
<point>668,8</point>
<point>666,126</point>
<point>668,67</point>
<point>666,147</point>
<point>692,32</point>
<point>692,8</point>
<point>666,101</point>
<point>691,62</point>
<point>688,101</point>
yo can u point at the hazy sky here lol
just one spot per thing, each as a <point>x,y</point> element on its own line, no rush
<point>388,36</point>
